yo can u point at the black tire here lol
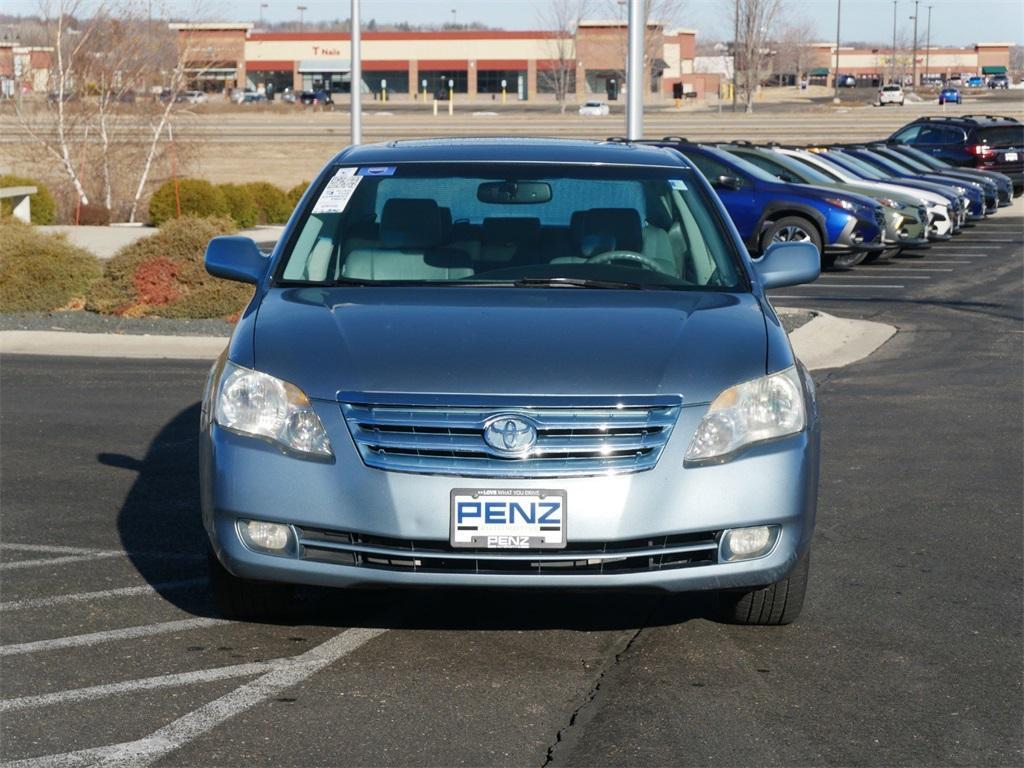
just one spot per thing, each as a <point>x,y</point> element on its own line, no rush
<point>246,600</point>
<point>777,604</point>
<point>784,229</point>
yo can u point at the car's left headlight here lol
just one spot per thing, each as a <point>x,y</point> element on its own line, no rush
<point>260,405</point>
<point>888,202</point>
<point>752,412</point>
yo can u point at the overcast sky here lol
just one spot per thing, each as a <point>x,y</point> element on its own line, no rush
<point>954,22</point>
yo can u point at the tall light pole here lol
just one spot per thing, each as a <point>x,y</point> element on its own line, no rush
<point>455,19</point>
<point>892,62</point>
<point>634,71</point>
<point>913,57</point>
<point>356,72</point>
<point>928,43</point>
<point>301,9</point>
<point>735,47</point>
<point>835,75</point>
<point>262,6</point>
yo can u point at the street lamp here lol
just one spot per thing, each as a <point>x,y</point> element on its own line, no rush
<point>928,43</point>
<point>301,9</point>
<point>455,21</point>
<point>262,6</point>
<point>892,62</point>
<point>835,74</point>
<point>913,58</point>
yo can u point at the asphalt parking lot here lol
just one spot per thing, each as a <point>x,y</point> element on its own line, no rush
<point>908,651</point>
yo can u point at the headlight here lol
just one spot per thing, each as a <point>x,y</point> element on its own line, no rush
<point>888,202</point>
<point>763,409</point>
<point>260,405</point>
<point>846,205</point>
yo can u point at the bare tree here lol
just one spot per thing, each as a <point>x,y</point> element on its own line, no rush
<point>562,18</point>
<point>755,21</point>
<point>794,40</point>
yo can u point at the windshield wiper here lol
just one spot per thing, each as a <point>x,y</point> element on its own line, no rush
<point>576,282</point>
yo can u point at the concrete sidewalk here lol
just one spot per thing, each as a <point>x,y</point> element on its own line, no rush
<point>104,242</point>
<point>824,342</point>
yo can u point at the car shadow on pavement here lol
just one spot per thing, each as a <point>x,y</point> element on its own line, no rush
<point>161,529</point>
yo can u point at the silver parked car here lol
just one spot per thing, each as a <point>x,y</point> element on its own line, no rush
<point>511,363</point>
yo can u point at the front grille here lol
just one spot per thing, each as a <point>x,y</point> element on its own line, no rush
<point>880,220</point>
<point>574,437</point>
<point>650,554</point>
<point>922,215</point>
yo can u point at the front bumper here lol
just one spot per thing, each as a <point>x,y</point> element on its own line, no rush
<point>401,520</point>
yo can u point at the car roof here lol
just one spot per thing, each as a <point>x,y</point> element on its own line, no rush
<point>512,149</point>
<point>971,120</point>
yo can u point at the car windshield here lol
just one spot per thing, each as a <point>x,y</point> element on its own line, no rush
<point>905,161</point>
<point>807,173</point>
<point>889,164</point>
<point>924,158</point>
<point>827,169</point>
<point>729,159</point>
<point>513,224</point>
<point>855,165</point>
<point>892,88</point>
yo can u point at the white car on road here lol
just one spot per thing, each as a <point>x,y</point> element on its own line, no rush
<point>891,94</point>
<point>594,109</point>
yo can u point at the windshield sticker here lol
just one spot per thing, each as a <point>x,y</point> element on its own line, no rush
<point>338,191</point>
<point>678,184</point>
<point>380,170</point>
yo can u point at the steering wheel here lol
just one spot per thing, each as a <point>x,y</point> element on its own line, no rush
<point>630,256</point>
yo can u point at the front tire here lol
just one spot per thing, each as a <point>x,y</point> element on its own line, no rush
<point>774,605</point>
<point>245,600</point>
<point>793,229</point>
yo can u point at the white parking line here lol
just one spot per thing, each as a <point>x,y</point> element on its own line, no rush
<point>53,548</point>
<point>94,638</point>
<point>874,277</point>
<point>57,560</point>
<point>903,269</point>
<point>851,285</point>
<point>189,727</point>
<point>941,260</point>
<point>80,597</point>
<point>144,684</point>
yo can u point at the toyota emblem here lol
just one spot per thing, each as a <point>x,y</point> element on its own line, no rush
<point>510,435</point>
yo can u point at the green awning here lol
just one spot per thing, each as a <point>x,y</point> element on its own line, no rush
<point>996,70</point>
<point>818,72</point>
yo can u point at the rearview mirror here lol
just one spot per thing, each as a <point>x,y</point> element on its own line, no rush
<point>788,264</point>
<point>728,182</point>
<point>235,258</point>
<point>513,192</point>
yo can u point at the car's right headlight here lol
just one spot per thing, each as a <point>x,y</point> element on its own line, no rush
<point>752,412</point>
<point>260,405</point>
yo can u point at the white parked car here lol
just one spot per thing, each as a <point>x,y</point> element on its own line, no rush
<point>594,109</point>
<point>891,94</point>
<point>195,97</point>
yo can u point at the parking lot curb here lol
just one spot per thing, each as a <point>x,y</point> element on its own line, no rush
<point>824,342</point>
<point>71,344</point>
<point>828,341</point>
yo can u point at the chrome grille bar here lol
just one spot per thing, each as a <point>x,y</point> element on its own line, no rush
<point>599,436</point>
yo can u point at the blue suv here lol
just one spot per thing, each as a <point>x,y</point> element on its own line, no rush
<point>845,227</point>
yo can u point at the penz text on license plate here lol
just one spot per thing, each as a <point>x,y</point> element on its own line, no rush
<point>1010,156</point>
<point>520,518</point>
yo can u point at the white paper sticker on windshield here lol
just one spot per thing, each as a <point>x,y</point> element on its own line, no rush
<point>678,184</point>
<point>338,191</point>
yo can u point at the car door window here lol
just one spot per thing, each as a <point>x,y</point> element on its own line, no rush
<point>910,134</point>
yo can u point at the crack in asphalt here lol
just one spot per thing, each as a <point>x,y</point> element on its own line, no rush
<point>568,735</point>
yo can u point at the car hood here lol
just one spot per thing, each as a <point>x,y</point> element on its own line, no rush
<point>510,341</point>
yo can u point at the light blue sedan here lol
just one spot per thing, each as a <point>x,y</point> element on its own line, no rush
<point>511,363</point>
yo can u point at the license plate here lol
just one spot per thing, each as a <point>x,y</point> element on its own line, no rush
<point>1010,156</point>
<point>492,518</point>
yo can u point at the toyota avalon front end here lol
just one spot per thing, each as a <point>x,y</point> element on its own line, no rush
<point>539,364</point>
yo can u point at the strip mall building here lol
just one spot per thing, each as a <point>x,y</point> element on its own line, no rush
<point>408,65</point>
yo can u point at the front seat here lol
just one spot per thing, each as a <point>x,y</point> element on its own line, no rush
<point>411,233</point>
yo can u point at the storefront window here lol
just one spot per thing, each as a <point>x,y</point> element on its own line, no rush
<point>397,81</point>
<point>490,81</point>
<point>437,81</point>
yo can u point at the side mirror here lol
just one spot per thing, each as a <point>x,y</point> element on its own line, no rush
<point>788,264</point>
<point>235,258</point>
<point>728,182</point>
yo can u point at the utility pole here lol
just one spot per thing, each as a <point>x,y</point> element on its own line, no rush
<point>928,43</point>
<point>892,68</point>
<point>913,58</point>
<point>356,72</point>
<point>835,75</point>
<point>634,71</point>
<point>735,46</point>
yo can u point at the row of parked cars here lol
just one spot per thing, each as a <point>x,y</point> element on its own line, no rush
<point>864,202</point>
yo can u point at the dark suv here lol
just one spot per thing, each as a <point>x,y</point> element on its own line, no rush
<point>975,141</point>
